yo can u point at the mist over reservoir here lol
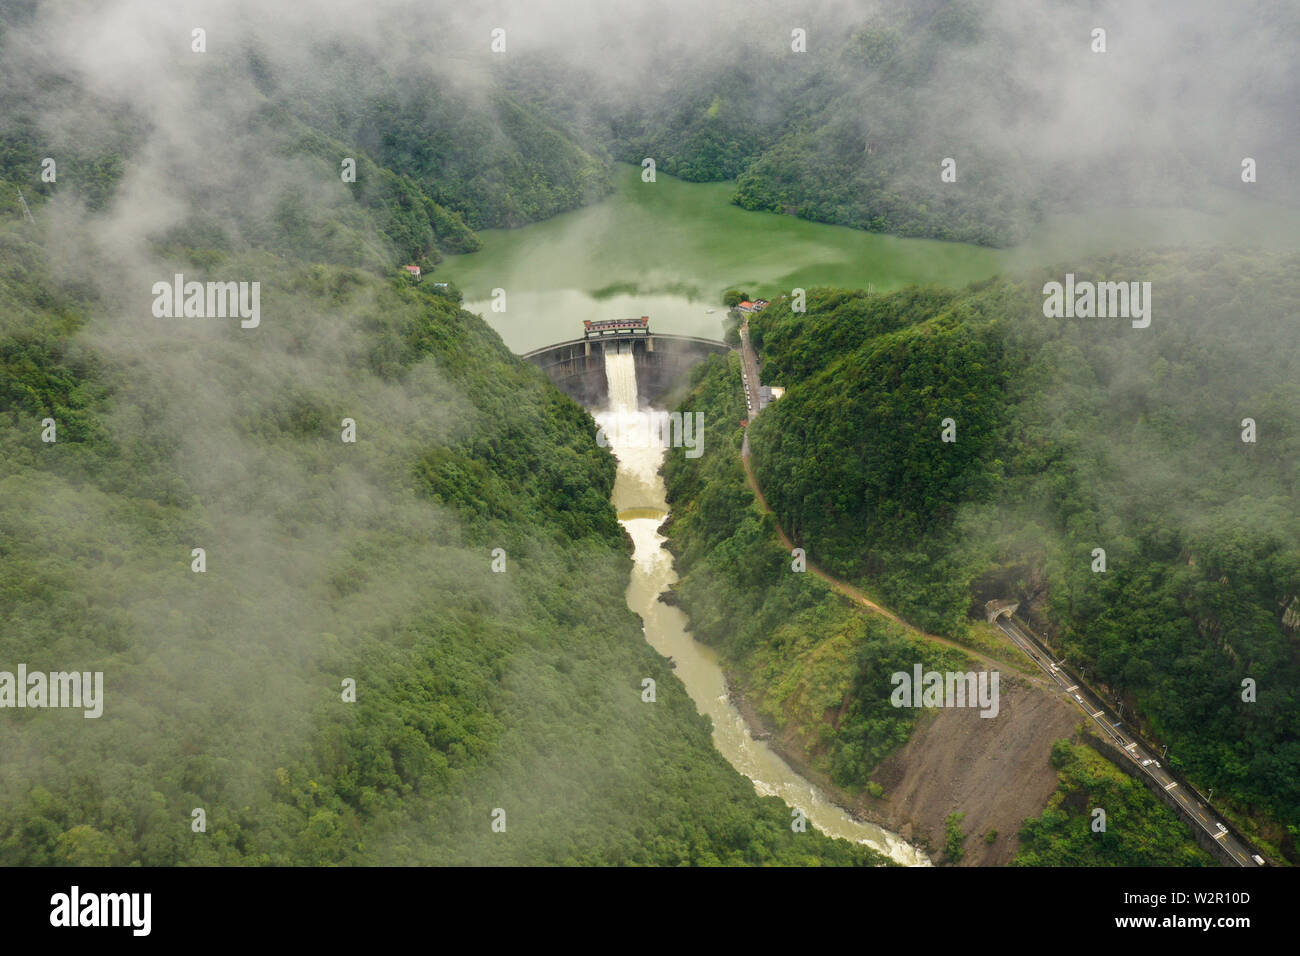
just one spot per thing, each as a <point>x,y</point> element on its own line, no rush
<point>669,249</point>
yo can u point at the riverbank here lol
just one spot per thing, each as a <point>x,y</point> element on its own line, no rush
<point>998,773</point>
<point>639,499</point>
<point>764,730</point>
<point>741,741</point>
<point>954,761</point>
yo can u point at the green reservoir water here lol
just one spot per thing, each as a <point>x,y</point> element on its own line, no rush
<point>669,249</point>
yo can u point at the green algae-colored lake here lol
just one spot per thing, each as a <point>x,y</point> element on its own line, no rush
<point>669,249</point>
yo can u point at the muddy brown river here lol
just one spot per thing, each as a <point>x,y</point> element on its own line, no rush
<point>640,498</point>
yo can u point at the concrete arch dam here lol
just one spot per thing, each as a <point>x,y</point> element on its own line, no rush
<point>663,362</point>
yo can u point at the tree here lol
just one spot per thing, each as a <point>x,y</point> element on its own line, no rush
<point>84,846</point>
<point>954,837</point>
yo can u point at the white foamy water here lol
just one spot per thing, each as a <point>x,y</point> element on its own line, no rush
<point>639,497</point>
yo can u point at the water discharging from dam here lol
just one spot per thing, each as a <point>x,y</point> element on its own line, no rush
<point>640,499</point>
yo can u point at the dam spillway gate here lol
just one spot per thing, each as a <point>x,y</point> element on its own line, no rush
<point>663,362</point>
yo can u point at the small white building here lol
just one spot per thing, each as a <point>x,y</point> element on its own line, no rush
<point>768,394</point>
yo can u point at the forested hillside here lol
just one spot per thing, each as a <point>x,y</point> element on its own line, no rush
<point>431,161</point>
<point>329,651</point>
<point>854,129</point>
<point>799,647</point>
<point>385,641</point>
<point>1072,435</point>
<point>1139,831</point>
<point>325,561</point>
<point>818,668</point>
<point>479,151</point>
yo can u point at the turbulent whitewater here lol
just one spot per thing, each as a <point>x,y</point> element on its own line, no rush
<point>640,498</point>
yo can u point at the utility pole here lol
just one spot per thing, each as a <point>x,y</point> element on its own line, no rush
<point>27,212</point>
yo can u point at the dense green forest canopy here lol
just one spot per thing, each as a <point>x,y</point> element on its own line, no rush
<point>325,562</point>
<point>1072,435</point>
<point>430,162</point>
<point>372,561</point>
<point>1139,831</point>
<point>787,636</point>
<point>811,660</point>
<point>855,130</point>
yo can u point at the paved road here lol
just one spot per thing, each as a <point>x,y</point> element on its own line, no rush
<point>749,371</point>
<point>1195,808</point>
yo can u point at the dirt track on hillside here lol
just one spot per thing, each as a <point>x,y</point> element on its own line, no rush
<point>996,770</point>
<point>854,594</point>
